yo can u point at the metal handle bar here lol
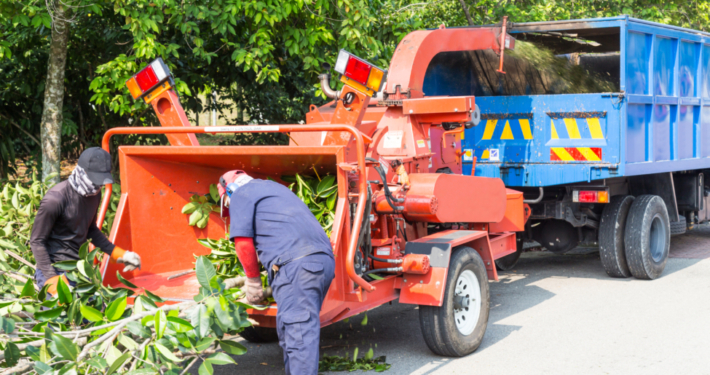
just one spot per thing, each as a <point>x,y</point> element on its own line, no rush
<point>360,139</point>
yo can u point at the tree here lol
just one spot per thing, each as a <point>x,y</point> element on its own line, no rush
<point>261,56</point>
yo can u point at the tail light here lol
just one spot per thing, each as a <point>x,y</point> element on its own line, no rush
<point>359,73</point>
<point>590,196</point>
<point>150,77</point>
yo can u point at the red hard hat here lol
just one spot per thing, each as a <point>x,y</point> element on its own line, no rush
<point>227,179</point>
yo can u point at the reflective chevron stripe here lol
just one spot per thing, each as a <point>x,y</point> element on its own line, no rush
<point>575,154</point>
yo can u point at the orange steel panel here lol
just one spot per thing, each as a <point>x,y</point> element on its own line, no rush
<point>414,53</point>
<point>454,104</point>
<point>425,289</point>
<point>158,181</point>
<point>502,244</point>
<point>459,198</point>
<point>514,219</point>
<point>167,107</point>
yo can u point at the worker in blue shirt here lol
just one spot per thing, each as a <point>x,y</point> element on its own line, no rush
<point>269,223</point>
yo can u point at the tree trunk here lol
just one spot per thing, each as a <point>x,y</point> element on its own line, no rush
<point>54,94</point>
<point>465,11</point>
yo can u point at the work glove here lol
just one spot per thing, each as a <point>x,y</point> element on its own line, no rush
<point>254,290</point>
<point>128,258</point>
<point>53,282</point>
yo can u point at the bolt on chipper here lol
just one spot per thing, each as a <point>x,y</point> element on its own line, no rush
<point>408,225</point>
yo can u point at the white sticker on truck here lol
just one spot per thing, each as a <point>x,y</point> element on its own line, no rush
<point>494,154</point>
<point>239,129</point>
<point>393,139</point>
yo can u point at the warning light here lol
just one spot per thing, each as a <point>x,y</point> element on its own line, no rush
<point>150,77</point>
<point>590,196</point>
<point>359,73</point>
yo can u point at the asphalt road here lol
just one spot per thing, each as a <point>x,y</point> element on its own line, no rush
<point>553,314</point>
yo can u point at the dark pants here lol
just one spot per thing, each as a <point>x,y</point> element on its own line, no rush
<point>299,289</point>
<point>40,279</point>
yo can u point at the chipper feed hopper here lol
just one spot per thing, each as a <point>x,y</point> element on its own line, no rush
<point>408,224</point>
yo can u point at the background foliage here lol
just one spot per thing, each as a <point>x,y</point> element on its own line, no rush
<point>262,57</point>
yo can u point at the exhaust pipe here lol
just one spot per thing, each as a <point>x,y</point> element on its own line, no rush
<point>325,86</point>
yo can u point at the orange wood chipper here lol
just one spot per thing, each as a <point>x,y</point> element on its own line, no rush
<point>408,224</point>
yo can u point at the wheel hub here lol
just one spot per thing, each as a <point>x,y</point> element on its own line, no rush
<point>467,302</point>
<point>461,302</point>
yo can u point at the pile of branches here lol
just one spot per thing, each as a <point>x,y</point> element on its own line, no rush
<point>91,329</point>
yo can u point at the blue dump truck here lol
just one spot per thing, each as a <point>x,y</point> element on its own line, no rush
<point>622,170</point>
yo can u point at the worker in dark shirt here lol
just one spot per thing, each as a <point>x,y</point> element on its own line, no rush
<point>66,218</point>
<point>270,223</point>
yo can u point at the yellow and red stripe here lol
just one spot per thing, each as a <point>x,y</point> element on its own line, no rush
<point>575,153</point>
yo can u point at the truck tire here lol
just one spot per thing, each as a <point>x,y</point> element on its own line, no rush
<point>509,261</point>
<point>647,237</point>
<point>259,335</point>
<point>611,236</point>
<point>456,328</point>
<point>679,227</point>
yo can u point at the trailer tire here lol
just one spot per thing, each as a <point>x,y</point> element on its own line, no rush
<point>509,261</point>
<point>647,237</point>
<point>611,236</point>
<point>259,335</point>
<point>445,328</point>
<point>679,227</point>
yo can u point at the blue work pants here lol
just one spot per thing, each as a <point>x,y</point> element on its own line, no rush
<point>299,288</point>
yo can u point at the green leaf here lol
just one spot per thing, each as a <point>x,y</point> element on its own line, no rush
<point>364,321</point>
<point>180,325</point>
<point>195,217</point>
<point>355,354</point>
<point>84,250</point>
<point>325,184</point>
<point>8,324</point>
<point>64,347</point>
<point>124,281</point>
<point>153,296</point>
<point>52,314</point>
<point>33,352</point>
<point>91,314</point>
<point>214,193</point>
<point>220,359</point>
<point>167,353</point>
<point>98,363</point>
<point>205,271</point>
<point>115,310</point>
<point>232,347</point>
<point>190,207</point>
<point>28,290</point>
<point>330,202</point>
<point>12,354</point>
<point>370,354</point>
<point>204,343</point>
<point>42,368</point>
<point>137,329</point>
<point>65,294</point>
<point>202,223</point>
<point>205,369</point>
<point>118,363</point>
<point>160,323</point>
<point>65,265</point>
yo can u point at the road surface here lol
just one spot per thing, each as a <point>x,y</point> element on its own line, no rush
<point>552,314</point>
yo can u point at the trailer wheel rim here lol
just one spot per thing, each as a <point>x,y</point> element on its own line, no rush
<point>468,290</point>
<point>657,240</point>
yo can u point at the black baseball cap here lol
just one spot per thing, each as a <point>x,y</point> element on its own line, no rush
<point>97,164</point>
